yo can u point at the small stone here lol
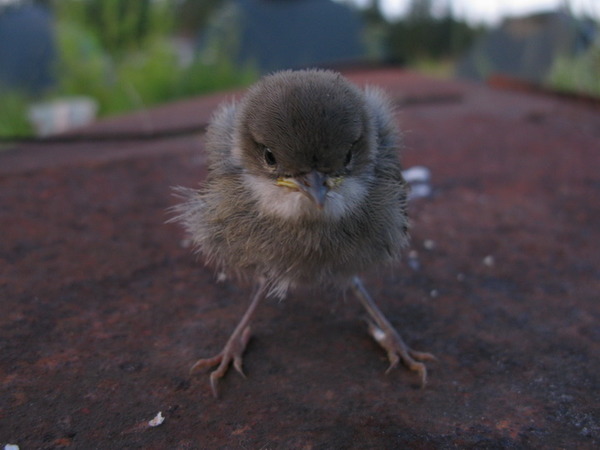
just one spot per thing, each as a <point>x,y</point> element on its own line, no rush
<point>428,244</point>
<point>489,261</point>
<point>158,420</point>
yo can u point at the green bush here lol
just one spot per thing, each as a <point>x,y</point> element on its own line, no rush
<point>122,56</point>
<point>580,74</point>
<point>13,114</point>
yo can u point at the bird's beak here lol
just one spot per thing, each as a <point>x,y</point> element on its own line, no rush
<point>315,185</point>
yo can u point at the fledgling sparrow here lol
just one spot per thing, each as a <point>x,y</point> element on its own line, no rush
<point>304,187</point>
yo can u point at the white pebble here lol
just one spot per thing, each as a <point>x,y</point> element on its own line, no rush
<point>378,334</point>
<point>419,190</point>
<point>417,174</point>
<point>419,179</point>
<point>159,419</point>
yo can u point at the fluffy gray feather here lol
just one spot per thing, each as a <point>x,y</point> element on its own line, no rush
<point>288,124</point>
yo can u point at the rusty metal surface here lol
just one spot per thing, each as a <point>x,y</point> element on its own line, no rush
<point>103,310</point>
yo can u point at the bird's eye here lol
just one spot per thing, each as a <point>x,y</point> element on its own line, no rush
<point>269,157</point>
<point>348,157</point>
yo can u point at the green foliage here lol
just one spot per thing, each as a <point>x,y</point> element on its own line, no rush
<point>580,74</point>
<point>423,36</point>
<point>123,57</point>
<point>427,32</point>
<point>119,26</point>
<point>13,114</point>
<point>121,54</point>
<point>219,75</point>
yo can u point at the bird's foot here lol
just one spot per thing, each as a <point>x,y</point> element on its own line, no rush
<point>398,351</point>
<point>231,354</point>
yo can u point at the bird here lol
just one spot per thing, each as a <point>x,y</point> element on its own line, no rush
<point>304,188</point>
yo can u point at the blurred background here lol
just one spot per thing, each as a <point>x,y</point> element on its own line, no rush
<point>64,63</point>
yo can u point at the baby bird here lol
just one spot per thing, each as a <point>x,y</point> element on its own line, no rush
<point>304,188</point>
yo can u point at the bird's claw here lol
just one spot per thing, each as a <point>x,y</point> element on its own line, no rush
<point>398,351</point>
<point>231,354</point>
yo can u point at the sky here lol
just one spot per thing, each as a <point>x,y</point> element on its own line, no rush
<point>492,11</point>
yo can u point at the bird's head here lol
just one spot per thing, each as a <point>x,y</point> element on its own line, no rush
<point>306,142</point>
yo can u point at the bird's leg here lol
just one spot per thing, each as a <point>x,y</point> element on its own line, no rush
<point>235,346</point>
<point>386,336</point>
